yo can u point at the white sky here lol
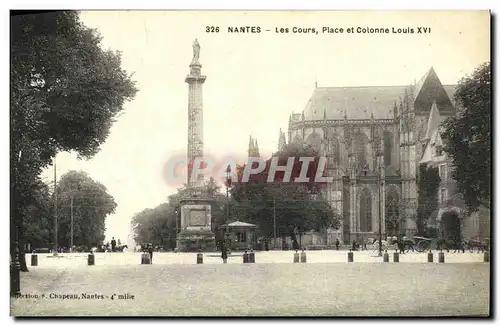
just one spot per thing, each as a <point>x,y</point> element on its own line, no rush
<point>254,81</point>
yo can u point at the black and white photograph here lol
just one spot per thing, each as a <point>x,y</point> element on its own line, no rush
<point>175,163</point>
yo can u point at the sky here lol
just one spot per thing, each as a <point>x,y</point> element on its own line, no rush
<point>254,82</point>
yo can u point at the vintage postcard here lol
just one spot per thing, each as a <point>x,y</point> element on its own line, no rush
<point>250,163</point>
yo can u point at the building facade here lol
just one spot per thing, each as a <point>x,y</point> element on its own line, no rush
<point>374,139</point>
<point>450,218</point>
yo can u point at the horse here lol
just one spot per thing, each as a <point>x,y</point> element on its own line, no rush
<point>472,245</point>
<point>121,248</point>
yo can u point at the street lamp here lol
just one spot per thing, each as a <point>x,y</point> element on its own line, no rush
<point>228,184</point>
<point>380,179</point>
<point>226,235</point>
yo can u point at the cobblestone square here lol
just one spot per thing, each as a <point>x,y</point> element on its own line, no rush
<point>176,286</point>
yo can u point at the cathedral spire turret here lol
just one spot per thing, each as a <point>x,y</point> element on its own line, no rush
<point>253,147</point>
<point>281,141</point>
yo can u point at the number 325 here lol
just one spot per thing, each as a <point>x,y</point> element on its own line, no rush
<point>212,29</point>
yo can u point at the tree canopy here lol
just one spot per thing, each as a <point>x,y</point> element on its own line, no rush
<point>293,206</point>
<point>66,92</point>
<point>428,185</point>
<point>467,138</point>
<point>91,204</point>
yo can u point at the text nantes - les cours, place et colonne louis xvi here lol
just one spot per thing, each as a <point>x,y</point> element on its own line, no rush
<point>322,30</point>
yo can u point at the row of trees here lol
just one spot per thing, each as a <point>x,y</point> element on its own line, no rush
<point>66,92</point>
<point>286,208</point>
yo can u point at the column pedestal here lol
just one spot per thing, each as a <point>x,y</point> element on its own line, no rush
<point>196,226</point>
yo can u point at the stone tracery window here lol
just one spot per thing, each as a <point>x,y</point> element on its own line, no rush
<point>388,141</point>
<point>365,211</point>
<point>392,213</point>
<point>314,140</point>
<point>360,143</point>
<point>333,150</point>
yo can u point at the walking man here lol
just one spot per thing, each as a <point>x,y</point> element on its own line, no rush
<point>150,251</point>
<point>224,252</point>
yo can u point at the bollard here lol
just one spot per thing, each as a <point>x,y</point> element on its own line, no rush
<point>430,257</point>
<point>441,257</point>
<point>245,257</point>
<point>386,257</point>
<point>303,257</point>
<point>34,260</point>
<point>395,257</point>
<point>91,259</point>
<point>199,258</point>
<point>350,257</point>
<point>486,256</point>
<point>251,257</point>
<point>296,257</point>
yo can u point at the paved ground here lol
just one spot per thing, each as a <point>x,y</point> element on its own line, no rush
<point>177,289</point>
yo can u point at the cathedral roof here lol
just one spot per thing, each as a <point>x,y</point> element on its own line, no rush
<point>430,89</point>
<point>429,154</point>
<point>434,120</point>
<point>360,102</point>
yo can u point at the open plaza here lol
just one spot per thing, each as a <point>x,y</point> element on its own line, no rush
<point>326,285</point>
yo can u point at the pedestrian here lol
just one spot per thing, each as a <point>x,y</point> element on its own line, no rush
<point>150,251</point>
<point>113,244</point>
<point>224,253</point>
<point>337,243</point>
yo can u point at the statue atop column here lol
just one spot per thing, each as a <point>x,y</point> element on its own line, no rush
<point>196,51</point>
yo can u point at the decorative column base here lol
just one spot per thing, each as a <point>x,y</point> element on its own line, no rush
<point>193,241</point>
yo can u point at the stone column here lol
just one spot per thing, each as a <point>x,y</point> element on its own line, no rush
<point>195,116</point>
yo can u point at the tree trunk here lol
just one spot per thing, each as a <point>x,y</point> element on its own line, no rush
<point>22,259</point>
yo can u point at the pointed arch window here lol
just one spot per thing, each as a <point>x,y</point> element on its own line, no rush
<point>365,211</point>
<point>360,144</point>
<point>333,150</point>
<point>393,225</point>
<point>388,141</point>
<point>314,140</point>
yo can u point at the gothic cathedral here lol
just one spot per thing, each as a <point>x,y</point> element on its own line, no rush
<point>374,139</point>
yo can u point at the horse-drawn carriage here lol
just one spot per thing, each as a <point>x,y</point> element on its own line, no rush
<point>405,244</point>
<point>422,244</point>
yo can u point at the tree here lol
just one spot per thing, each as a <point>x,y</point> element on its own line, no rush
<point>428,185</point>
<point>295,207</point>
<point>467,138</point>
<point>155,225</point>
<point>65,94</point>
<point>90,203</point>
